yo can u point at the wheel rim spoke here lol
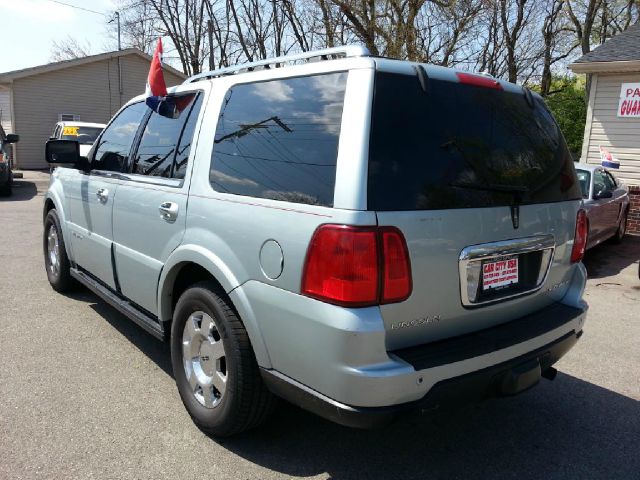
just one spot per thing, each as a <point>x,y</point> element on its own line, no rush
<point>206,325</point>
<point>209,398</point>
<point>220,382</point>
<point>193,381</point>
<point>190,327</point>
<point>217,350</point>
<point>190,350</point>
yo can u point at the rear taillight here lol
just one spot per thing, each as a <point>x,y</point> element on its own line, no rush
<point>2,158</point>
<point>580,240</point>
<point>357,266</point>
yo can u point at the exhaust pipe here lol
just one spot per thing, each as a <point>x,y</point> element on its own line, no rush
<point>550,373</point>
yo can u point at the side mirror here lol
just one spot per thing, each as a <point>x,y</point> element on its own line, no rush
<point>603,194</point>
<point>63,151</point>
<point>12,138</point>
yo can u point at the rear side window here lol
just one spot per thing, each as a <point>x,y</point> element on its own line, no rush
<point>161,147</point>
<point>279,139</point>
<point>463,146</point>
<point>112,151</point>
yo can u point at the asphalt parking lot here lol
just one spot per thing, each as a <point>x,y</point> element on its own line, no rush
<point>84,393</point>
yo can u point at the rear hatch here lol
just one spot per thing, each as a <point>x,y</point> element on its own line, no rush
<point>477,176</point>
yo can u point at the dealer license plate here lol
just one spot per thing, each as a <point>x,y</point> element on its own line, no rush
<point>500,273</point>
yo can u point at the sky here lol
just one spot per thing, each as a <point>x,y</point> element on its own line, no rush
<point>28,28</point>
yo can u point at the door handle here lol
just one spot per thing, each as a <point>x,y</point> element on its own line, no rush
<point>103,195</point>
<point>168,211</point>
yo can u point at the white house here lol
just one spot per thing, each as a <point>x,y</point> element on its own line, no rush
<point>613,112</point>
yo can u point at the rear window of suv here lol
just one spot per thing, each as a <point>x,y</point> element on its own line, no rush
<point>463,146</point>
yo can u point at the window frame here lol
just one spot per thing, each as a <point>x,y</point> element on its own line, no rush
<point>612,178</point>
<point>171,182</point>
<point>347,71</point>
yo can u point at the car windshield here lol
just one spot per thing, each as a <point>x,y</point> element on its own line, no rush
<point>82,135</point>
<point>584,177</point>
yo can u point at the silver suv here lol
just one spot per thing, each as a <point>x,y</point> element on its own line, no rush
<point>356,235</point>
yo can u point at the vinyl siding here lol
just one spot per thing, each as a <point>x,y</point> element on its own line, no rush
<point>621,136</point>
<point>89,90</point>
<point>5,109</point>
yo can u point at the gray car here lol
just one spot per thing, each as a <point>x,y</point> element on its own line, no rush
<point>606,202</point>
<point>357,235</point>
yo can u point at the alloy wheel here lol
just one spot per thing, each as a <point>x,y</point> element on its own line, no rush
<point>53,250</point>
<point>204,359</point>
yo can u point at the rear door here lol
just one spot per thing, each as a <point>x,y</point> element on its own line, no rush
<point>478,178</point>
<point>150,210</point>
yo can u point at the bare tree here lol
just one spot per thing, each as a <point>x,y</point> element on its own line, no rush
<point>556,46</point>
<point>583,14</point>
<point>514,17</point>
<point>69,48</point>
<point>520,40</point>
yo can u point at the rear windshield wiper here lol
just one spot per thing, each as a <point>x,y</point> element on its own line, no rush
<point>491,187</point>
<point>516,190</point>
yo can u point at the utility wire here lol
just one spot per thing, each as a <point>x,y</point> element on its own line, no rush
<point>104,14</point>
<point>77,7</point>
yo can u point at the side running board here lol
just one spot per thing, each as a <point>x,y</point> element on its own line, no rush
<point>123,306</point>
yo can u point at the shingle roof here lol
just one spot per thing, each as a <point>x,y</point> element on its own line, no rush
<point>623,47</point>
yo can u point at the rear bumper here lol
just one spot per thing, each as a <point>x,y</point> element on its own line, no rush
<point>549,334</point>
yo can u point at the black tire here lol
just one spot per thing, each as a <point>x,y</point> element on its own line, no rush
<point>622,228</point>
<point>6,190</point>
<point>60,277</point>
<point>246,402</point>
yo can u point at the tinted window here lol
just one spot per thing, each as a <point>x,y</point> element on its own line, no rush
<point>279,139</point>
<point>159,142</point>
<point>584,177</point>
<point>462,146</point>
<point>113,149</point>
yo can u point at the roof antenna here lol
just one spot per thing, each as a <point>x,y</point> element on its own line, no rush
<point>423,78</point>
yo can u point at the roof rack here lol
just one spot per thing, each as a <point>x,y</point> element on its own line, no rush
<point>277,62</point>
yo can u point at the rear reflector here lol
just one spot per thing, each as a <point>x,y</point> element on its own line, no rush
<point>478,80</point>
<point>580,240</point>
<point>397,283</point>
<point>357,266</point>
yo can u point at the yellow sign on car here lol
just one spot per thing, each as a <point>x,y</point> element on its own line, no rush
<point>73,131</point>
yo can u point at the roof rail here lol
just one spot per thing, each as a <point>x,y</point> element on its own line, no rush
<point>276,62</point>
